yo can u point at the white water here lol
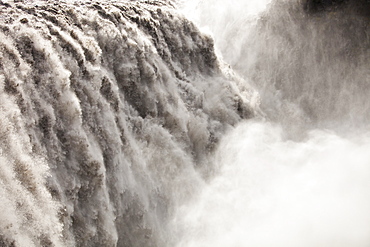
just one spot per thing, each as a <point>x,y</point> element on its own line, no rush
<point>276,192</point>
<point>300,179</point>
<point>114,116</point>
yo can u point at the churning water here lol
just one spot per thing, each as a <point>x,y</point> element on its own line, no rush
<point>301,176</point>
<point>276,192</point>
<point>122,124</point>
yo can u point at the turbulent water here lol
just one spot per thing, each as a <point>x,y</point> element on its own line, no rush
<point>301,176</point>
<point>110,113</point>
<point>122,124</point>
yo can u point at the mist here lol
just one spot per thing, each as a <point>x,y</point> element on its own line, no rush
<point>201,123</point>
<point>298,176</point>
<point>276,192</point>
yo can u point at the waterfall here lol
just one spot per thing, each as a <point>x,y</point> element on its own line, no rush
<point>111,112</point>
<point>184,123</point>
<point>300,176</point>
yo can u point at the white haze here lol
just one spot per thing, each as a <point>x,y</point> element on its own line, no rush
<point>225,19</point>
<point>270,190</point>
<point>109,115</point>
<point>276,192</point>
<point>114,119</point>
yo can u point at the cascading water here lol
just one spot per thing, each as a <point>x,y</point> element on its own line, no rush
<point>120,126</point>
<point>110,112</point>
<point>301,176</point>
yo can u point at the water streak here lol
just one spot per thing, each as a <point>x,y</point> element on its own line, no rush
<point>300,177</point>
<point>110,113</point>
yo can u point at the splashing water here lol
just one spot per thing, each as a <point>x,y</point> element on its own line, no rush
<point>224,20</point>
<point>110,111</point>
<point>114,114</point>
<point>276,192</point>
<point>302,176</point>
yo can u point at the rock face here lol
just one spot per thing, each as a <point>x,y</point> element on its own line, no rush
<point>109,116</point>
